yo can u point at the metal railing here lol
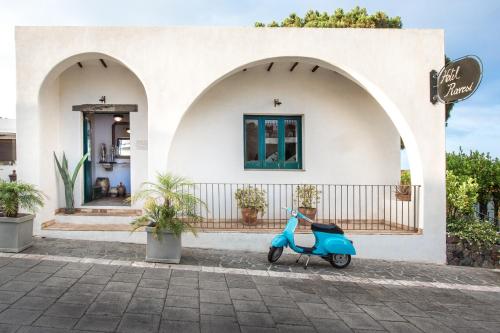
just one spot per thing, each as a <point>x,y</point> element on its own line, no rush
<point>352,207</point>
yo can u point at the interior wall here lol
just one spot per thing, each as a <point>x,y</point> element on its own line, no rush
<point>347,137</point>
<point>85,86</point>
<point>102,133</point>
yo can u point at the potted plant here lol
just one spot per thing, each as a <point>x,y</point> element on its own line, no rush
<point>69,181</point>
<point>16,230</point>
<point>168,211</point>
<point>251,201</point>
<point>403,190</point>
<point>307,198</point>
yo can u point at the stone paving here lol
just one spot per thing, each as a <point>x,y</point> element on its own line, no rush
<point>359,268</point>
<point>40,295</point>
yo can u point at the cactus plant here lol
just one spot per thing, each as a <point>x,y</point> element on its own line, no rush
<point>69,181</point>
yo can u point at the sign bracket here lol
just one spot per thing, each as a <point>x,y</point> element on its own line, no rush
<point>433,76</point>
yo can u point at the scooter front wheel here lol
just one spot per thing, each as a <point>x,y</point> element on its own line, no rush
<point>274,253</point>
<point>340,260</point>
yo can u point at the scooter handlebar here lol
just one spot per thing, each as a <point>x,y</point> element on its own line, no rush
<point>298,214</point>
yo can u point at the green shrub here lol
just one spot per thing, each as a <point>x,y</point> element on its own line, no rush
<point>307,196</point>
<point>461,195</point>
<point>405,177</point>
<point>251,197</point>
<point>478,233</point>
<point>17,195</point>
<point>168,206</point>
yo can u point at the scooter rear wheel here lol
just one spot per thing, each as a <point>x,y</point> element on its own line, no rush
<point>274,253</point>
<point>340,260</point>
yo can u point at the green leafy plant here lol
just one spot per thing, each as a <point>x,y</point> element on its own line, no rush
<point>461,195</point>
<point>478,233</point>
<point>405,177</point>
<point>69,180</point>
<point>17,195</point>
<point>251,197</point>
<point>307,196</point>
<point>356,18</point>
<point>484,169</point>
<point>168,205</point>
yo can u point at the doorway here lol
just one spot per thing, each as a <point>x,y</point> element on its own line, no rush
<point>107,170</point>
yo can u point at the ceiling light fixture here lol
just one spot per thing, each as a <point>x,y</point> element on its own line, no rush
<point>118,117</point>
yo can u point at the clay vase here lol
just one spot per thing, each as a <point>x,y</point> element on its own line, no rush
<point>309,213</point>
<point>122,191</point>
<point>249,216</point>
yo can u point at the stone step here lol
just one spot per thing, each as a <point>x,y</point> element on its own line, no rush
<point>97,216</point>
<point>93,219</point>
<point>96,232</point>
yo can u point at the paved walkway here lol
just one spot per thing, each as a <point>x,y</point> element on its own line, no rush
<point>115,291</point>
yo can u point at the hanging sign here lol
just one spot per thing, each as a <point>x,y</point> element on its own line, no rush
<point>456,81</point>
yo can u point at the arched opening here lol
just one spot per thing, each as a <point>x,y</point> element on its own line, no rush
<point>344,140</point>
<point>87,102</point>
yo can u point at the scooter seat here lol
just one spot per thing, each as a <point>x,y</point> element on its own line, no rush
<point>328,228</point>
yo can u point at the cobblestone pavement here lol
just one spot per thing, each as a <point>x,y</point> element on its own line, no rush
<point>41,294</point>
<point>360,268</point>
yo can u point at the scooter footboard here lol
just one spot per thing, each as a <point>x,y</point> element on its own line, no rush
<point>279,241</point>
<point>339,246</point>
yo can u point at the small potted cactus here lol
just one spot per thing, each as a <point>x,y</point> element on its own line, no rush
<point>251,201</point>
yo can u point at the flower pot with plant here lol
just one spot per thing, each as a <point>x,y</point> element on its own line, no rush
<point>16,229</point>
<point>403,190</point>
<point>307,199</point>
<point>251,201</point>
<point>69,181</point>
<point>169,209</point>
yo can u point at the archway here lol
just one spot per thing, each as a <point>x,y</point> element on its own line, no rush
<point>84,79</point>
<point>346,137</point>
<point>371,89</point>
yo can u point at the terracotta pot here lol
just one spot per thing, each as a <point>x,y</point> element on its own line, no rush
<point>249,216</point>
<point>403,192</point>
<point>310,213</point>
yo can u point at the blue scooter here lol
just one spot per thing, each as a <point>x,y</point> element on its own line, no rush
<point>331,244</point>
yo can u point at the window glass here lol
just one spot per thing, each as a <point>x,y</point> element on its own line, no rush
<point>291,140</point>
<point>271,140</point>
<point>252,140</point>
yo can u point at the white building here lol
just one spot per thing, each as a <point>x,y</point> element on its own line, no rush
<point>7,147</point>
<point>228,107</point>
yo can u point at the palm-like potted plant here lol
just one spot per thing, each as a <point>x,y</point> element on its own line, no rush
<point>69,180</point>
<point>251,201</point>
<point>169,210</point>
<point>307,198</point>
<point>403,190</point>
<point>16,229</point>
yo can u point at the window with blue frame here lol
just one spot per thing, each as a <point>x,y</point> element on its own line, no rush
<point>273,142</point>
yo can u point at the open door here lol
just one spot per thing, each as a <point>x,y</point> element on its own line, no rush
<point>87,166</point>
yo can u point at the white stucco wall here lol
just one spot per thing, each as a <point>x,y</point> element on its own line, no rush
<point>7,127</point>
<point>177,65</point>
<point>344,129</point>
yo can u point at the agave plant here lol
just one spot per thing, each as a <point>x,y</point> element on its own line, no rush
<point>69,181</point>
<point>17,195</point>
<point>168,205</point>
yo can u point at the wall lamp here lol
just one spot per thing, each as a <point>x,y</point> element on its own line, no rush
<point>277,102</point>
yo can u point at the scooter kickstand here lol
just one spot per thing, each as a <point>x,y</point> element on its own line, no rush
<point>307,262</point>
<point>300,256</point>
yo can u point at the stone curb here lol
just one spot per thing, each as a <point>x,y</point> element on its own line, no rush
<point>253,272</point>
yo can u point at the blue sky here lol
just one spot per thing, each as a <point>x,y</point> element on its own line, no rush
<point>471,27</point>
